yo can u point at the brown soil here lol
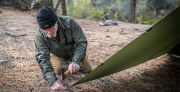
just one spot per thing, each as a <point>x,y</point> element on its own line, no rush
<point>19,71</point>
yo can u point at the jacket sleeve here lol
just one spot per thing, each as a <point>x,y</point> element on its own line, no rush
<point>80,42</point>
<point>42,55</point>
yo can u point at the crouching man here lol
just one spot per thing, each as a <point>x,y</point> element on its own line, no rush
<point>59,41</point>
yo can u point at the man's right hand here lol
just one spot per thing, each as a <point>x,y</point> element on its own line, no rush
<point>57,86</point>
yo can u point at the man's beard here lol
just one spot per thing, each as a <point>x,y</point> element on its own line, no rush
<point>54,33</point>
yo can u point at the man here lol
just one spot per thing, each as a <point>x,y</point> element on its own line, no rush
<point>59,41</point>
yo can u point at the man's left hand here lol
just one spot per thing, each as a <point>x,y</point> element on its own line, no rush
<point>73,67</point>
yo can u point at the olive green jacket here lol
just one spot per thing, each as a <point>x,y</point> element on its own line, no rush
<point>74,47</point>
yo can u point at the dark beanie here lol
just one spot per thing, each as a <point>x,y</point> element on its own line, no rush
<point>46,17</point>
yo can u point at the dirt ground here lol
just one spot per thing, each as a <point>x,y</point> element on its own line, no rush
<point>19,71</point>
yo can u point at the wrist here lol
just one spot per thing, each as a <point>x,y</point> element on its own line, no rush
<point>75,61</point>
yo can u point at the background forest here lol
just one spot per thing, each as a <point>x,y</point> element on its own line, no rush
<point>136,11</point>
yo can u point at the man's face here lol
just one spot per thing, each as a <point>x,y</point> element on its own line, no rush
<point>52,32</point>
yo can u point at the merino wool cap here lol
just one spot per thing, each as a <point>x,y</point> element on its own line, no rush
<point>46,17</point>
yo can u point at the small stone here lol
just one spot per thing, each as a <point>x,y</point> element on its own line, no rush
<point>107,36</point>
<point>2,61</point>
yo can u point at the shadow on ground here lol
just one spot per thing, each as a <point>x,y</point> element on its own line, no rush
<point>166,78</point>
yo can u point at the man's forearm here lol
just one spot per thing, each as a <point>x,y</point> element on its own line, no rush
<point>80,52</point>
<point>47,70</point>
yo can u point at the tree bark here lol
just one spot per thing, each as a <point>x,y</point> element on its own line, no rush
<point>70,7</point>
<point>50,3</point>
<point>132,11</point>
<point>57,5</point>
<point>63,6</point>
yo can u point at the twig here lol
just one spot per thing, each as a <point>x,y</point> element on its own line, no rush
<point>9,34</point>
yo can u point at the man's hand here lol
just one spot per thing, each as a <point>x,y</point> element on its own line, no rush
<point>73,67</point>
<point>57,86</point>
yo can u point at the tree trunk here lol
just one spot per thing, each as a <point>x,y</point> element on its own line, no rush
<point>63,6</point>
<point>132,11</point>
<point>57,5</point>
<point>70,7</point>
<point>50,3</point>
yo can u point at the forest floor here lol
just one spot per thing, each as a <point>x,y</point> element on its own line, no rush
<point>19,71</point>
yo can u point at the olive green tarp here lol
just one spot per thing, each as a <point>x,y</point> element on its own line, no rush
<point>156,41</point>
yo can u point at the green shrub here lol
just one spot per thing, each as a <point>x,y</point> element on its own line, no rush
<point>94,14</point>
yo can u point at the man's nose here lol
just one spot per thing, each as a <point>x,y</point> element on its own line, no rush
<point>49,30</point>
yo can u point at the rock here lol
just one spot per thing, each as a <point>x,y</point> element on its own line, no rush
<point>123,33</point>
<point>108,23</point>
<point>2,61</point>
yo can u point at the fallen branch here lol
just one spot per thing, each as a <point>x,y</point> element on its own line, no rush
<point>12,35</point>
